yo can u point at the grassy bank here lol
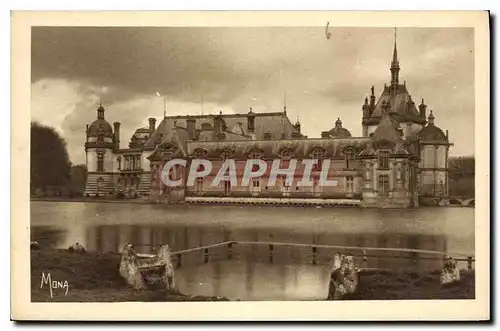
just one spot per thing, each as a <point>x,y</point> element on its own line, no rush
<point>94,277</point>
<point>91,278</point>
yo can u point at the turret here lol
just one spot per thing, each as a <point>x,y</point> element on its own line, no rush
<point>366,109</point>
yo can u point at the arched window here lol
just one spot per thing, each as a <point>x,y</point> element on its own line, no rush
<point>349,158</point>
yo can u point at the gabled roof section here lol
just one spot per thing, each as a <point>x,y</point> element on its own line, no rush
<point>386,130</point>
<point>277,123</point>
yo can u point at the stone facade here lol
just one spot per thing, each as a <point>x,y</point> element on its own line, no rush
<point>399,161</point>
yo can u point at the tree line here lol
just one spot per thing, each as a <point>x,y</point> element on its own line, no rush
<point>51,172</point>
<point>461,172</point>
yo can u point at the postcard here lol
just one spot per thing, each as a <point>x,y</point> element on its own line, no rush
<point>188,166</point>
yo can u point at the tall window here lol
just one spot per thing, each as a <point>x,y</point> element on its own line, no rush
<point>383,159</point>
<point>383,185</point>
<point>349,158</point>
<point>199,184</point>
<point>316,186</point>
<point>318,155</point>
<point>119,159</point>
<point>227,187</point>
<point>349,184</point>
<point>256,185</point>
<point>100,162</point>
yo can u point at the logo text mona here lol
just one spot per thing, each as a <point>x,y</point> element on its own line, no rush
<point>53,284</point>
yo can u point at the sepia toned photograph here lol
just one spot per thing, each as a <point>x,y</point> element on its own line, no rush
<point>285,163</point>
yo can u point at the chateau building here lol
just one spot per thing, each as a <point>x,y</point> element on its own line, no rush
<point>399,161</point>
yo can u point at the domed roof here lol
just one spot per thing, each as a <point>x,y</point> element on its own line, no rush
<point>431,132</point>
<point>338,131</point>
<point>100,125</point>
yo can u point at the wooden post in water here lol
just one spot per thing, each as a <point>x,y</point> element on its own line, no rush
<point>205,255</point>
<point>229,251</point>
<point>365,259</point>
<point>314,249</point>
<point>271,253</point>
<point>179,260</point>
<point>469,263</point>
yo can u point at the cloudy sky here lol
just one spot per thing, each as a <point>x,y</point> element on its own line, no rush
<point>235,68</point>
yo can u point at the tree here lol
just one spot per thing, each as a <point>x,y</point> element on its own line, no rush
<point>461,176</point>
<point>78,179</point>
<point>49,166</point>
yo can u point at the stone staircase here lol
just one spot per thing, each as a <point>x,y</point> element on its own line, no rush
<point>103,182</point>
<point>144,184</point>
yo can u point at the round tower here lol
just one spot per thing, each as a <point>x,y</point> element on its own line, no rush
<point>99,146</point>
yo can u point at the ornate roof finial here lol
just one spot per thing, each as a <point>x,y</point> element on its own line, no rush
<point>100,111</point>
<point>431,118</point>
<point>373,90</point>
<point>395,64</point>
<point>338,123</point>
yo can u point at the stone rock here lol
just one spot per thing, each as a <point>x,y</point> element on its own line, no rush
<point>77,248</point>
<point>450,273</point>
<point>35,245</point>
<point>135,270</point>
<point>129,270</point>
<point>344,278</point>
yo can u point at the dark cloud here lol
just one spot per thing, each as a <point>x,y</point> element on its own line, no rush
<point>323,79</point>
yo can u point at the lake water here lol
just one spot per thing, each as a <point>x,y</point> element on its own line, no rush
<point>257,272</point>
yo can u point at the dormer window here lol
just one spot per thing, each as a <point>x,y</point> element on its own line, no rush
<point>285,154</point>
<point>255,154</point>
<point>226,154</point>
<point>349,158</point>
<point>317,154</point>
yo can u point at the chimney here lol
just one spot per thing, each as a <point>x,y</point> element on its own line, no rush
<point>152,125</point>
<point>251,121</point>
<point>218,123</point>
<point>191,127</point>
<point>116,125</point>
